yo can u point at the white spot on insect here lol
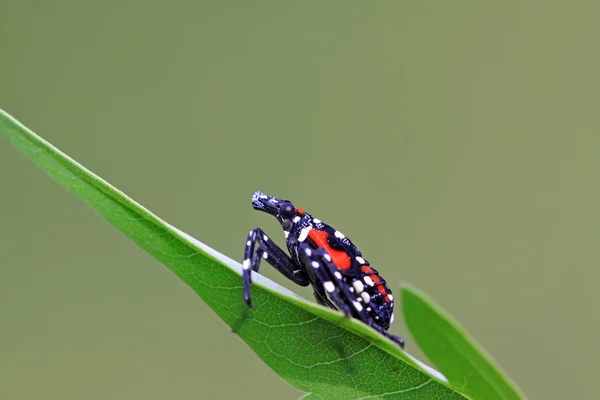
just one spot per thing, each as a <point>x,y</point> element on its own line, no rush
<point>365,296</point>
<point>357,305</point>
<point>246,264</point>
<point>377,317</point>
<point>392,319</point>
<point>308,252</point>
<point>251,232</point>
<point>317,221</point>
<point>265,256</point>
<point>390,297</point>
<point>338,275</point>
<point>327,257</point>
<point>263,196</point>
<point>369,309</point>
<point>358,285</point>
<point>296,219</point>
<point>351,290</point>
<point>314,264</point>
<point>360,260</point>
<point>329,286</point>
<point>304,234</point>
<point>339,235</point>
<point>248,243</point>
<point>369,281</point>
<point>286,233</point>
<point>266,238</point>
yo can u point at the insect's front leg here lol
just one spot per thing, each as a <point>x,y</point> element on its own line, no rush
<point>274,255</point>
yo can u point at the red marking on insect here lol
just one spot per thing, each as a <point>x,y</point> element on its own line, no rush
<point>338,257</point>
<point>300,211</point>
<point>380,288</point>
<point>375,278</point>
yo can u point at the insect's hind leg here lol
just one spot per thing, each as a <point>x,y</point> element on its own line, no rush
<point>394,338</point>
<point>324,286</point>
<point>322,299</point>
<point>348,298</point>
<point>274,255</point>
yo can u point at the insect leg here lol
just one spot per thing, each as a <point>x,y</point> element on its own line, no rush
<point>274,255</point>
<point>359,304</point>
<point>324,286</point>
<point>350,297</point>
<point>322,299</point>
<point>385,333</point>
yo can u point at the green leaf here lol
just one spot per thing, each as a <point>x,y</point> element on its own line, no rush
<point>313,348</point>
<point>450,348</point>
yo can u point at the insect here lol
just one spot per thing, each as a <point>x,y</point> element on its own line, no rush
<point>322,257</point>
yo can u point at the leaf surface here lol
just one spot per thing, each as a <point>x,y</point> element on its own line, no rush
<point>313,348</point>
<point>451,349</point>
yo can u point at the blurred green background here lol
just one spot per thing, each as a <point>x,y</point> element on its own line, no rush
<point>455,142</point>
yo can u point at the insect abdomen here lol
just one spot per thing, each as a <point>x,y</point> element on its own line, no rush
<point>381,299</point>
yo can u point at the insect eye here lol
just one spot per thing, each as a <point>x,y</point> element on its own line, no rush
<point>285,208</point>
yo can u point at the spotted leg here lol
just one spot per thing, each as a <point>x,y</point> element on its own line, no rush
<point>322,299</point>
<point>324,285</point>
<point>319,291</point>
<point>346,294</point>
<point>274,255</point>
<point>333,284</point>
<point>385,333</point>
